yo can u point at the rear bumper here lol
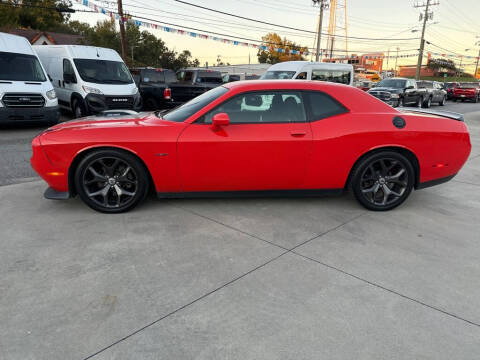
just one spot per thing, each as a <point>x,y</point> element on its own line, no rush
<point>430,183</point>
<point>464,96</point>
<point>49,114</point>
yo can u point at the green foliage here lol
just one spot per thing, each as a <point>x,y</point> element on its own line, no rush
<point>33,14</point>
<point>143,48</point>
<point>273,41</point>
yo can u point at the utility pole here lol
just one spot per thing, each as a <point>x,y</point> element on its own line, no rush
<point>478,58</point>
<point>323,5</point>
<point>122,30</point>
<point>426,16</point>
<point>396,60</point>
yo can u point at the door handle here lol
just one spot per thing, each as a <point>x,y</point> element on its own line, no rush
<point>298,133</point>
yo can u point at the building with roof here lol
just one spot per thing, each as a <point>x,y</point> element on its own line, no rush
<point>37,37</point>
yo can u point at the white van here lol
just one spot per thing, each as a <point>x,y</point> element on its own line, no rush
<point>308,70</point>
<point>26,94</point>
<point>88,79</point>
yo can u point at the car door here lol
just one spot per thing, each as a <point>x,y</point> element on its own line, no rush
<point>68,87</point>
<point>265,147</point>
<point>413,93</point>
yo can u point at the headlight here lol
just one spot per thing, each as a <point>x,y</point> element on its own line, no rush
<point>395,96</point>
<point>91,90</point>
<point>51,94</point>
<point>135,91</point>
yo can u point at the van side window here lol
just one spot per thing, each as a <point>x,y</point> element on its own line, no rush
<point>68,69</point>
<point>336,76</point>
<point>322,106</point>
<point>302,76</point>
<point>188,76</point>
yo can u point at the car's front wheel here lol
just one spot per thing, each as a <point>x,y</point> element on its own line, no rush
<point>111,181</point>
<point>427,103</point>
<point>383,180</point>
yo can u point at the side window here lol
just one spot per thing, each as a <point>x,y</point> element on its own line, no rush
<point>188,76</point>
<point>170,77</point>
<point>262,107</point>
<point>302,76</point>
<point>180,75</point>
<point>323,106</point>
<point>336,76</point>
<point>68,70</point>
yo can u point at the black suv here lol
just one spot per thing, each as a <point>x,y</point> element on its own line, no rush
<point>399,92</point>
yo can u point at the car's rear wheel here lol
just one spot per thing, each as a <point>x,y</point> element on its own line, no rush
<point>383,180</point>
<point>443,102</point>
<point>428,103</point>
<point>111,181</point>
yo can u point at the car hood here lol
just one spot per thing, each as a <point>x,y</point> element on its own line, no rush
<point>392,90</point>
<point>103,120</point>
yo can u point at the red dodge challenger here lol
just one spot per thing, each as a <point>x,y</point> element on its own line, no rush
<point>254,138</point>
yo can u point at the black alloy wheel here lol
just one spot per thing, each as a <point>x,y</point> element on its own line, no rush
<point>111,181</point>
<point>383,180</point>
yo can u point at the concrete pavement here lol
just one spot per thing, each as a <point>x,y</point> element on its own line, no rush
<point>243,278</point>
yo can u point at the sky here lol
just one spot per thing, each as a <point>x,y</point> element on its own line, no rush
<point>454,28</point>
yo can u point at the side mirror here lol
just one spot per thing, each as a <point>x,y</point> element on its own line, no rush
<point>220,119</point>
<point>69,78</point>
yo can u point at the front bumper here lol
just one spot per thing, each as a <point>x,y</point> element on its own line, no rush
<point>14,115</point>
<point>96,103</point>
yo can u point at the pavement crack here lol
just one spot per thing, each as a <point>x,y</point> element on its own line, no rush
<point>387,289</point>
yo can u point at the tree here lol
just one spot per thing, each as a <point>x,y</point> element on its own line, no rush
<point>33,14</point>
<point>273,41</point>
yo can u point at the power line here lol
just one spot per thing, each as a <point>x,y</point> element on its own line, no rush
<point>284,26</point>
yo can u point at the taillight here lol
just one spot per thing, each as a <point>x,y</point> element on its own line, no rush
<point>167,94</point>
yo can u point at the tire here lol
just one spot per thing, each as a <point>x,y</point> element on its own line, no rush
<point>111,181</point>
<point>151,104</point>
<point>428,103</point>
<point>475,100</point>
<point>419,103</point>
<point>378,173</point>
<point>454,100</point>
<point>401,102</point>
<point>78,109</point>
<point>443,102</point>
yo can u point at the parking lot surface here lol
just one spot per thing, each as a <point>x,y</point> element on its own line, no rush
<point>260,278</point>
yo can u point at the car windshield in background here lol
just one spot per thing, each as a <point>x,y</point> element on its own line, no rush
<point>20,67</point>
<point>278,75</point>
<point>392,83</point>
<point>468,85</point>
<point>103,71</point>
<point>153,76</point>
<point>183,112</point>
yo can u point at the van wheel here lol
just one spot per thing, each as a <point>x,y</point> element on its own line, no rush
<point>78,109</point>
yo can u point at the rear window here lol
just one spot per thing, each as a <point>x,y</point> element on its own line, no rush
<point>209,77</point>
<point>323,105</point>
<point>153,76</point>
<point>20,67</point>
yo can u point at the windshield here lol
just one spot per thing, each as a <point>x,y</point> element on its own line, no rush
<point>20,67</point>
<point>278,75</point>
<point>103,71</point>
<point>183,112</point>
<point>392,83</point>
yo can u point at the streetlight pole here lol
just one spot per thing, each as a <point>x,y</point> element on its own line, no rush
<point>323,5</point>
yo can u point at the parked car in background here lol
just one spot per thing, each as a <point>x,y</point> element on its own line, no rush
<point>364,85</point>
<point>88,79</point>
<point>308,70</point>
<point>155,86</point>
<point>466,91</point>
<point>26,93</point>
<point>399,92</point>
<point>238,77</point>
<point>195,81</point>
<point>435,91</point>
<point>449,86</point>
